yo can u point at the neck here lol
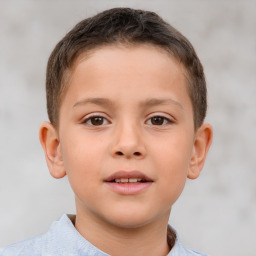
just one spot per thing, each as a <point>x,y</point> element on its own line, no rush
<point>149,239</point>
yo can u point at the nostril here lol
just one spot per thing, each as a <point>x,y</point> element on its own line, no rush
<point>119,153</point>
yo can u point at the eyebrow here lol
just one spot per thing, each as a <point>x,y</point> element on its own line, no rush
<point>147,103</point>
<point>161,101</point>
<point>96,101</point>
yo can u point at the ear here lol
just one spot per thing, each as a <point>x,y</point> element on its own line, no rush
<point>49,139</point>
<point>202,142</point>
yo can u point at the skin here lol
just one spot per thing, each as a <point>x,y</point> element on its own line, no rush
<point>126,87</point>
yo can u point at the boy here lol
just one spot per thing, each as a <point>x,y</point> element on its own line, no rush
<point>126,99</point>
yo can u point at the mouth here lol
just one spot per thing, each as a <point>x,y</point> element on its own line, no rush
<point>128,183</point>
<point>128,177</point>
<point>131,180</point>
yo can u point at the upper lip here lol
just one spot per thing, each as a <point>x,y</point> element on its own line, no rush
<point>128,175</point>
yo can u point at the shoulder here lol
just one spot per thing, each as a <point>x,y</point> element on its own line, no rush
<point>39,245</point>
<point>61,239</point>
<point>180,249</point>
<point>32,245</point>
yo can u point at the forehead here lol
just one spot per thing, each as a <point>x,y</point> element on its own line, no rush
<point>146,68</point>
<point>130,53</point>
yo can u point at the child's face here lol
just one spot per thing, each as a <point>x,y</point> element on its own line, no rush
<point>127,114</point>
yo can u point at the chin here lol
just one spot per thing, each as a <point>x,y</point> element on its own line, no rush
<point>130,221</point>
<point>131,224</point>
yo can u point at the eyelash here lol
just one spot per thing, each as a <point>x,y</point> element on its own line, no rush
<point>165,120</point>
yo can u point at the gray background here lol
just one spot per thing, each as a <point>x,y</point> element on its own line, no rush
<point>217,212</point>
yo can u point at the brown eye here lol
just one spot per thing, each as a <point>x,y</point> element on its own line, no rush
<point>158,120</point>
<point>96,121</point>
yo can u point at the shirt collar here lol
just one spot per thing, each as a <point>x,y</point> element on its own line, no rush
<point>72,242</point>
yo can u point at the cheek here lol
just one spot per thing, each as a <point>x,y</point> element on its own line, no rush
<point>172,176</point>
<point>80,151</point>
<point>172,161</point>
<point>82,162</point>
<point>174,153</point>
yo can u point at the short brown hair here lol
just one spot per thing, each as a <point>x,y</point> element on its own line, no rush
<point>127,26</point>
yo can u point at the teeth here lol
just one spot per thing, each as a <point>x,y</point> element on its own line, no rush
<point>134,180</point>
<point>131,180</point>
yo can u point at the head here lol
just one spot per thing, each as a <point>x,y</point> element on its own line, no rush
<point>123,26</point>
<point>126,99</point>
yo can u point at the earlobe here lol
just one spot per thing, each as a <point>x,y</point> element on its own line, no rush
<point>202,142</point>
<point>51,145</point>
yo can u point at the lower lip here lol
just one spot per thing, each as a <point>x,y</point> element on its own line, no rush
<point>129,188</point>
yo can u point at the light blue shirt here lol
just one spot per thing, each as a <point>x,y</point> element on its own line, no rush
<point>63,239</point>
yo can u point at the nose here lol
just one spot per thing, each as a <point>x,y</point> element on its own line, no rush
<point>128,142</point>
